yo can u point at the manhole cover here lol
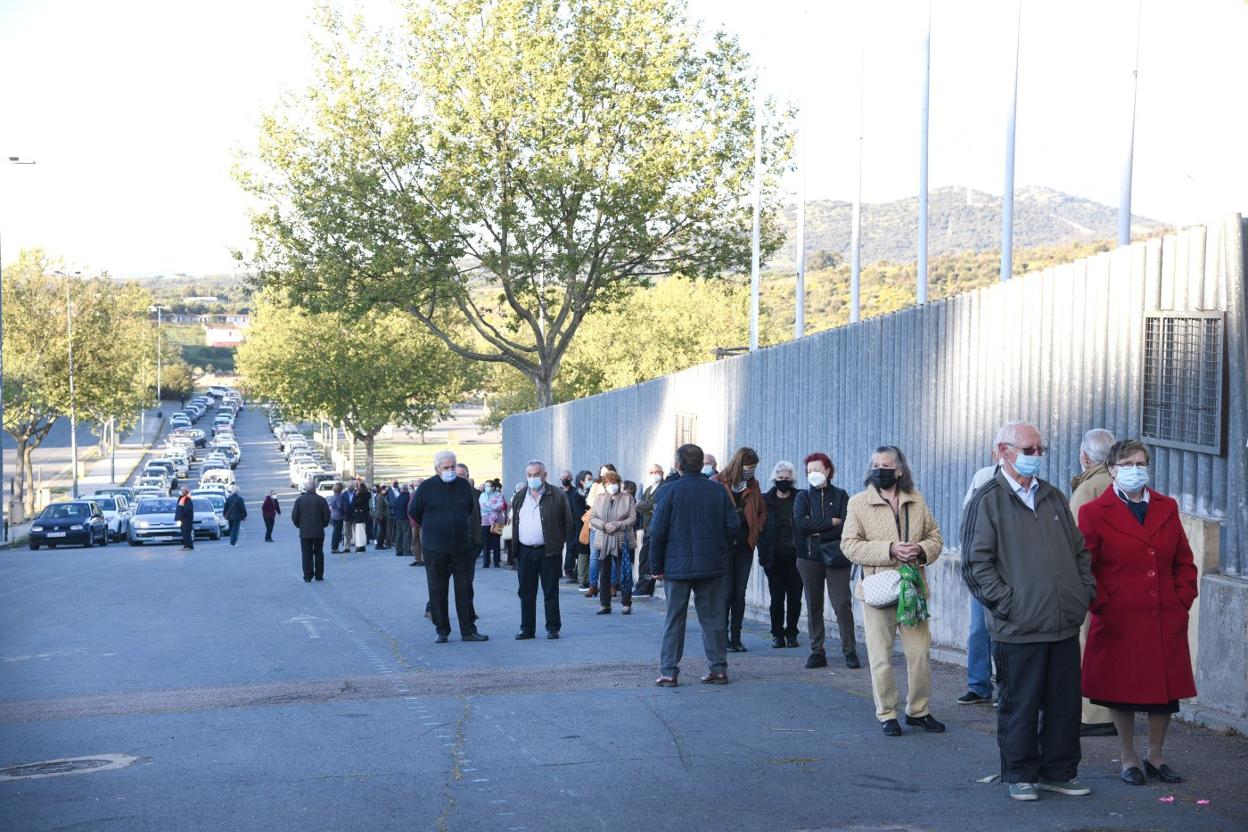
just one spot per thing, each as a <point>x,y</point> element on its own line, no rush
<point>68,765</point>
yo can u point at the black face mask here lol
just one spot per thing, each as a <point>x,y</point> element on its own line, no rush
<point>884,478</point>
<point>784,485</point>
<point>567,482</point>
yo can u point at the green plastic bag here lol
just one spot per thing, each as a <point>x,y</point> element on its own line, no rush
<point>912,601</point>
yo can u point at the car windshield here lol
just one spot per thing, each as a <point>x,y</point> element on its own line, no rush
<point>217,500</point>
<point>202,505</point>
<point>65,510</point>
<point>158,506</point>
<point>106,503</point>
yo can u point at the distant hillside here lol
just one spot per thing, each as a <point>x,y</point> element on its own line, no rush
<point>960,220</point>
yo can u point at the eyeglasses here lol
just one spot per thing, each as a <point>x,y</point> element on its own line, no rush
<point>1034,450</point>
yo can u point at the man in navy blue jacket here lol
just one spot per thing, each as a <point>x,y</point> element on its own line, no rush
<point>694,521</point>
<point>449,517</point>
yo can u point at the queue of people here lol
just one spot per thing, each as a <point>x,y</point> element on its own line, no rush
<point>1112,562</point>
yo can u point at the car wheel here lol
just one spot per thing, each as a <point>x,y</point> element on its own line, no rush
<point>51,545</point>
<point>90,540</point>
<point>104,537</point>
<point>34,547</point>
<point>216,536</point>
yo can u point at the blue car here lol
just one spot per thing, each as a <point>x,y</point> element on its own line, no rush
<point>73,523</point>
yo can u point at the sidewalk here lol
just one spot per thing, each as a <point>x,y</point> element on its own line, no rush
<point>131,451</point>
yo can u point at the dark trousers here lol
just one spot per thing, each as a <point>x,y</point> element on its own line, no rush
<point>491,546</point>
<point>336,541</point>
<point>403,538</point>
<point>740,559</point>
<point>534,566</point>
<point>313,549</point>
<point>785,585</point>
<point>615,576</point>
<point>569,554</point>
<point>188,535</point>
<point>392,531</point>
<point>440,569</point>
<point>1038,710</point>
<point>268,529</point>
<point>643,558</point>
<point>383,533</point>
<point>236,526</point>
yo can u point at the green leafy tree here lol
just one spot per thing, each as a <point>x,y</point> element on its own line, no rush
<point>360,372</point>
<point>500,169</point>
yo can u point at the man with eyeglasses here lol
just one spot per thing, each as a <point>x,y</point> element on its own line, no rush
<point>1025,560</point>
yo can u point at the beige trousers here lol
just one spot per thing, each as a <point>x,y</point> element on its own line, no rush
<point>881,629</point>
<point>1092,714</point>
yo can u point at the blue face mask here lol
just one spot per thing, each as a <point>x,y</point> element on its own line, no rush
<point>707,470</point>
<point>1027,466</point>
<point>447,476</point>
<point>535,483</point>
<point>1130,480</point>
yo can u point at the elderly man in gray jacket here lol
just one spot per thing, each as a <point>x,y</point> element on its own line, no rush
<point>1025,560</point>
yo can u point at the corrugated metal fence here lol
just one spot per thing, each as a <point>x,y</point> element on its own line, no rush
<point>1063,349</point>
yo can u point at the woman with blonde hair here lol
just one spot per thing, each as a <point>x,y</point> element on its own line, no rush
<point>747,497</point>
<point>613,518</point>
<point>889,528</point>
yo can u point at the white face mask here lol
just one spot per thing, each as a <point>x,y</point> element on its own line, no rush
<point>447,476</point>
<point>655,479</point>
<point>613,489</point>
<point>817,479</point>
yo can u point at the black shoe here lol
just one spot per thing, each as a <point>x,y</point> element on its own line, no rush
<point>552,636</point>
<point>1097,729</point>
<point>307,580</point>
<point>441,640</point>
<point>415,563</point>
<point>791,641</point>
<point>523,636</point>
<point>1133,776</point>
<point>319,578</point>
<point>475,637</point>
<point>736,647</point>
<point>973,698</point>
<point>851,661</point>
<point>1163,773</point>
<point>777,641</point>
<point>927,723</point>
<point>603,611</point>
<point>891,728</point>
<point>816,660</point>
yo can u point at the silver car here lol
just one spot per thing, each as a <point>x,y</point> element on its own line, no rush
<point>153,521</point>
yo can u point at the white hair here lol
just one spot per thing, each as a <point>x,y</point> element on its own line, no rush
<point>533,462</point>
<point>783,465</point>
<point>233,489</point>
<point>442,456</point>
<point>1008,434</point>
<point>1096,444</point>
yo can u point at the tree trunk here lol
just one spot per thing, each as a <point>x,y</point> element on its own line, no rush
<point>544,387</point>
<point>26,466</point>
<point>369,442</point>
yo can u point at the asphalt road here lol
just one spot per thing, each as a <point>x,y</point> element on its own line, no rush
<point>243,698</point>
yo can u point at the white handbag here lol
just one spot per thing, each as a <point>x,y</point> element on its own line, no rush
<point>882,589</point>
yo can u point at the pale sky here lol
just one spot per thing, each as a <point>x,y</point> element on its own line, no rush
<point>133,109</point>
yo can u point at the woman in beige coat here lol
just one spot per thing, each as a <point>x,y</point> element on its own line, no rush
<point>887,525</point>
<point>613,517</point>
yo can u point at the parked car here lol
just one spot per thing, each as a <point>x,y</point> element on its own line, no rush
<point>153,521</point>
<point>223,476</point>
<point>74,522</point>
<point>116,513</point>
<point>123,490</point>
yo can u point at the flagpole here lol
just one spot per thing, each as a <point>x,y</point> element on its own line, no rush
<point>1124,196</point>
<point>758,211</point>
<point>855,231</point>
<point>1007,197</point>
<point>921,293</point>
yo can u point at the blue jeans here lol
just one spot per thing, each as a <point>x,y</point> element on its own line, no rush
<point>236,526</point>
<point>979,652</point>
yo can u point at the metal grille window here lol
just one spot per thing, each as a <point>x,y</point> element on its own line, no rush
<point>1183,380</point>
<point>686,428</point>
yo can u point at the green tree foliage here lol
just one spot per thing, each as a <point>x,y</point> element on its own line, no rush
<point>110,337</point>
<point>177,381</point>
<point>361,372</point>
<point>511,166</point>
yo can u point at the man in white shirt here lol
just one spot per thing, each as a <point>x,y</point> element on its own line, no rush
<point>540,519</point>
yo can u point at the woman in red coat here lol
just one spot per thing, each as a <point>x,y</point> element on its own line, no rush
<point>1137,657</point>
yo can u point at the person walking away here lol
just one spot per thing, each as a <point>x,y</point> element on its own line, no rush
<point>311,515</point>
<point>613,518</point>
<point>738,479</point>
<point>402,529</point>
<point>1093,481</point>
<point>539,513</point>
<point>449,518</point>
<point>337,514</point>
<point>777,554</point>
<point>493,518</point>
<point>381,519</point>
<point>819,517</point>
<point>235,512</point>
<point>269,510</point>
<point>1137,658</point>
<point>361,517</point>
<point>889,528</point>
<point>184,514</point>
<point>1026,562</point>
<point>580,510</point>
<point>693,527</point>
<point>645,510</point>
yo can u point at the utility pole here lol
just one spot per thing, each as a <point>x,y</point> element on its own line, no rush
<point>1007,197</point>
<point>855,233</point>
<point>758,212</point>
<point>921,292</point>
<point>1124,196</point>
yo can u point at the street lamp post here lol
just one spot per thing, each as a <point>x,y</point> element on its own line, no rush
<point>4,507</point>
<point>158,309</point>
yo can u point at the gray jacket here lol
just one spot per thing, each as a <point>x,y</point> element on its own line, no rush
<point>1030,569</point>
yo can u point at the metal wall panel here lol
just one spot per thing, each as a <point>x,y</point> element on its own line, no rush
<point>1062,348</point>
